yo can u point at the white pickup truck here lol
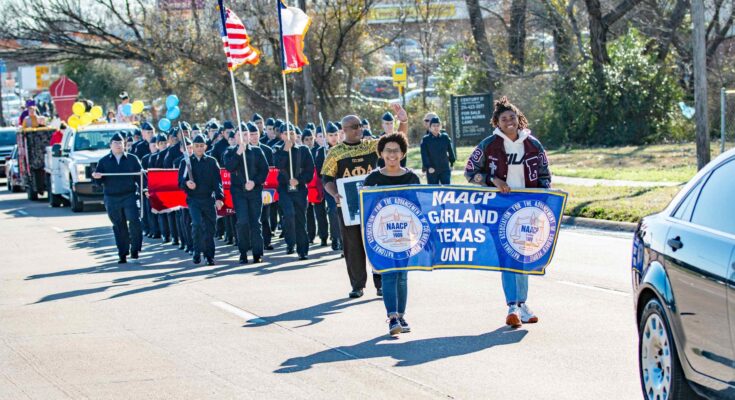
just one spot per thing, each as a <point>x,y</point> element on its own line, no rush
<point>70,164</point>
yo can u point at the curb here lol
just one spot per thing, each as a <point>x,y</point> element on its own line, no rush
<point>599,224</point>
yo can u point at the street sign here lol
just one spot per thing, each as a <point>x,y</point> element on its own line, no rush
<point>400,74</point>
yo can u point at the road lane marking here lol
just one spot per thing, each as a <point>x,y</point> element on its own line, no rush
<point>239,312</point>
<point>21,212</point>
<point>602,289</point>
<point>57,229</point>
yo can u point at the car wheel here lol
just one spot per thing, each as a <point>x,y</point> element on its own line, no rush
<point>54,200</point>
<point>74,203</point>
<point>662,377</point>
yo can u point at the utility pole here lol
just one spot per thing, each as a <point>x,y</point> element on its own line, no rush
<point>700,82</point>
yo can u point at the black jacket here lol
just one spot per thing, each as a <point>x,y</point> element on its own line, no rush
<point>206,176</point>
<point>303,166</point>
<point>141,148</point>
<point>257,167</point>
<point>118,185</point>
<point>319,153</point>
<point>172,154</point>
<point>437,152</point>
<point>218,150</point>
<point>160,157</point>
<point>268,152</point>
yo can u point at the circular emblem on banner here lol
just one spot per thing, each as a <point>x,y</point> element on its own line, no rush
<point>397,228</point>
<point>527,230</point>
<point>267,197</point>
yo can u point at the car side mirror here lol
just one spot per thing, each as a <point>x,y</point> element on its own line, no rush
<point>56,150</point>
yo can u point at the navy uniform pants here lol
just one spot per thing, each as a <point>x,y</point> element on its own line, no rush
<point>248,209</point>
<point>332,210</point>
<point>265,221</point>
<point>154,228</point>
<point>293,207</point>
<point>125,217</point>
<point>173,226</point>
<point>439,178</point>
<point>203,220</point>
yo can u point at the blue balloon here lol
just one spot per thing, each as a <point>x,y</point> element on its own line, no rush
<point>173,113</point>
<point>172,101</point>
<point>127,110</point>
<point>164,124</point>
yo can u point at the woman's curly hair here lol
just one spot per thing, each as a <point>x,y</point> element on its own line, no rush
<point>504,105</point>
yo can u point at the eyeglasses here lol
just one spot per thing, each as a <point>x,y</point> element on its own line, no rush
<point>353,126</point>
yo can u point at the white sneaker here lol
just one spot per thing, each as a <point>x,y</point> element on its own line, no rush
<point>514,317</point>
<point>527,316</point>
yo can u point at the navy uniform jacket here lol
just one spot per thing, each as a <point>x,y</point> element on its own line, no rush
<point>274,142</point>
<point>319,153</point>
<point>206,176</point>
<point>161,157</point>
<point>268,152</point>
<point>141,148</point>
<point>218,150</point>
<point>257,168</point>
<point>172,154</point>
<point>303,166</point>
<point>437,152</point>
<point>118,185</point>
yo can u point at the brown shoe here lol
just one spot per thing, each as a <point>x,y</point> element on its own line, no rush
<point>513,319</point>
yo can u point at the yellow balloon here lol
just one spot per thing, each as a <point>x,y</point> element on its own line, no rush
<point>78,108</point>
<point>74,121</point>
<point>96,112</point>
<point>138,107</point>
<point>86,119</point>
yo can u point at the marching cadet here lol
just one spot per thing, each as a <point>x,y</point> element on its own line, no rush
<point>164,147</point>
<point>257,120</point>
<point>247,194</point>
<point>212,132</point>
<point>230,220</point>
<point>183,216</point>
<point>154,231</point>
<point>265,222</point>
<point>292,190</point>
<point>355,156</point>
<point>161,144</point>
<point>141,148</point>
<point>316,213</point>
<point>204,196</point>
<point>120,196</point>
<point>220,146</point>
<point>173,153</point>
<point>196,130</point>
<point>437,154</point>
<point>270,135</point>
<point>332,140</point>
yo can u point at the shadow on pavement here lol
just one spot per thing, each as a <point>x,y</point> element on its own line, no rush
<point>313,314</point>
<point>407,353</point>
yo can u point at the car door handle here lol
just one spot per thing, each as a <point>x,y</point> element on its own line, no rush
<point>675,243</point>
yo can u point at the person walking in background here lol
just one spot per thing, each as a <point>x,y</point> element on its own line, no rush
<point>437,154</point>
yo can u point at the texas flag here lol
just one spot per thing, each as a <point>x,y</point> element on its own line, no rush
<point>294,24</point>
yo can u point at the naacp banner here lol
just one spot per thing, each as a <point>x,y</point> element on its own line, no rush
<point>414,227</point>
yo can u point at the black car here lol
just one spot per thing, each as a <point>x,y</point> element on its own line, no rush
<point>684,289</point>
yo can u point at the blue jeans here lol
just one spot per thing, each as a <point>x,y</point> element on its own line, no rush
<point>395,292</point>
<point>203,219</point>
<point>248,206</point>
<point>125,217</point>
<point>515,287</point>
<point>439,178</point>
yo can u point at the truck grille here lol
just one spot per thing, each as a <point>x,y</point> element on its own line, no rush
<point>89,170</point>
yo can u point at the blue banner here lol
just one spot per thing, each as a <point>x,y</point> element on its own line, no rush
<point>406,228</point>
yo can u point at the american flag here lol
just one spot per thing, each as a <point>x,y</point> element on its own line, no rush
<point>235,40</point>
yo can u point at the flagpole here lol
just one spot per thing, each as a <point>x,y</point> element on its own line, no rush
<point>285,89</point>
<point>288,131</point>
<point>239,126</point>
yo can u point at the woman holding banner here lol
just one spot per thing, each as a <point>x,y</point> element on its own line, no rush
<point>392,148</point>
<point>510,159</point>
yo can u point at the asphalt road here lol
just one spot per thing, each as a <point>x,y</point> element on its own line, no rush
<point>75,324</point>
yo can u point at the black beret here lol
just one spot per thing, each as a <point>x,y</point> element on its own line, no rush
<point>318,129</point>
<point>137,132</point>
<point>331,127</point>
<point>256,117</point>
<point>311,126</point>
<point>200,139</point>
<point>213,125</point>
<point>339,125</point>
<point>196,127</point>
<point>161,137</point>
<point>231,135</point>
<point>307,133</point>
<point>435,120</point>
<point>251,127</point>
<point>146,126</point>
<point>228,125</point>
<point>154,139</point>
<point>366,133</point>
<point>270,122</point>
<point>297,130</point>
<point>278,123</point>
<point>388,117</point>
<point>364,122</point>
<point>117,138</point>
<point>185,126</point>
<point>283,128</point>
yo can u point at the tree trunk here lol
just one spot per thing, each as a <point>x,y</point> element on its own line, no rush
<point>700,82</point>
<point>598,39</point>
<point>517,36</point>
<point>483,46</point>
<point>562,40</point>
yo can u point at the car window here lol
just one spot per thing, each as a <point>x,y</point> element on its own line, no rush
<point>686,206</point>
<point>714,206</point>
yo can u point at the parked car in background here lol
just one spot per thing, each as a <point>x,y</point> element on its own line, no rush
<point>7,143</point>
<point>404,49</point>
<point>432,97</point>
<point>11,108</point>
<point>12,172</point>
<point>683,272</point>
<point>380,87</point>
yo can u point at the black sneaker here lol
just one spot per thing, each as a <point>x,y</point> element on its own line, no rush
<point>269,247</point>
<point>210,261</point>
<point>123,260</point>
<point>175,242</point>
<point>197,258</point>
<point>379,292</point>
<point>290,250</point>
<point>324,243</point>
<point>134,255</point>
<point>394,327</point>
<point>356,293</point>
<point>243,259</point>
<point>303,257</point>
<point>404,325</point>
<point>156,237</point>
<point>166,239</point>
<point>257,259</point>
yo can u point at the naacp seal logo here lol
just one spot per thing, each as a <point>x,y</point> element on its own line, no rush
<point>397,229</point>
<point>527,230</point>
